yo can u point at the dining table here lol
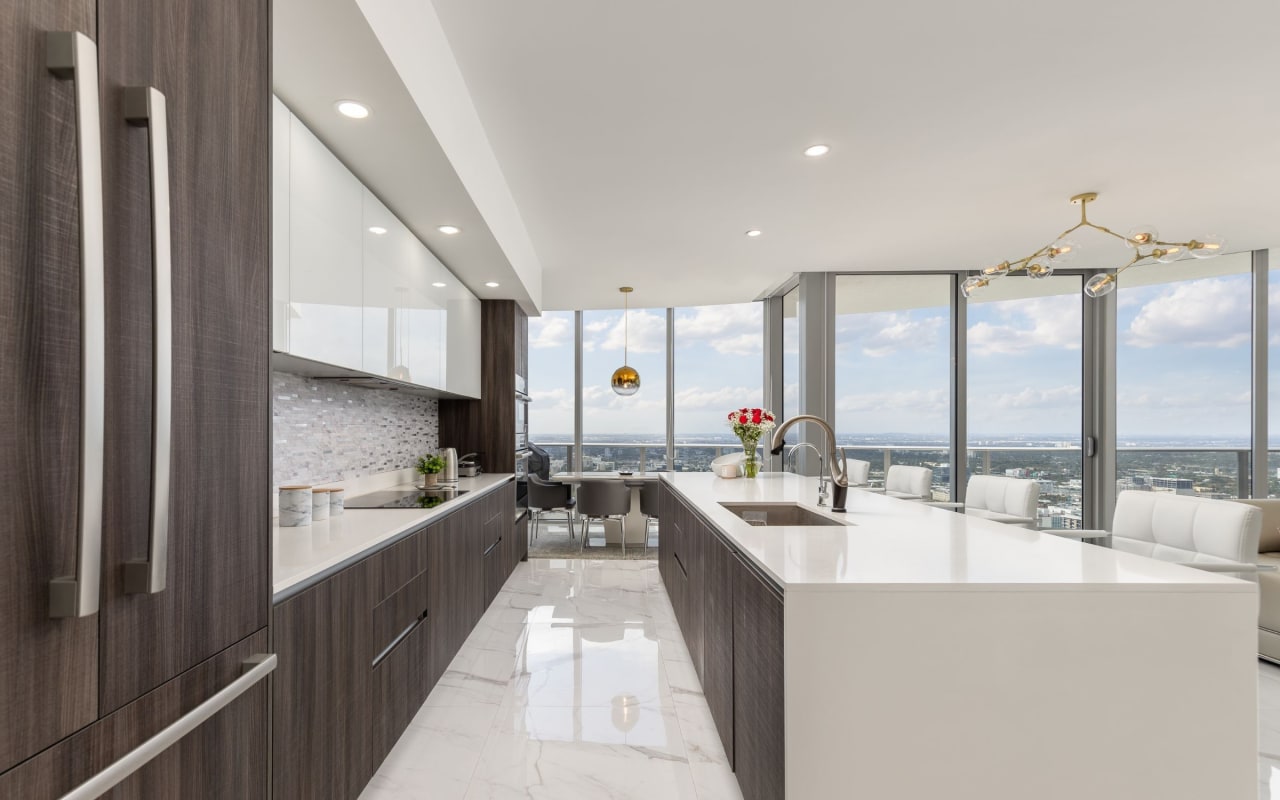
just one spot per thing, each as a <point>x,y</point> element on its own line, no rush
<point>636,526</point>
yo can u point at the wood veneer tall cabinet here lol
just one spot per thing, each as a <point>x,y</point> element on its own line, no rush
<point>134,432</point>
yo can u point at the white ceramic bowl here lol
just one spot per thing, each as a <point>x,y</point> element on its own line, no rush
<point>728,466</point>
<point>728,471</point>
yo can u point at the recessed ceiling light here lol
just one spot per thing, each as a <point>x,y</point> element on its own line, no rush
<point>815,150</point>
<point>377,230</point>
<point>753,233</point>
<point>492,284</point>
<point>449,229</point>
<point>439,285</point>
<point>350,108</point>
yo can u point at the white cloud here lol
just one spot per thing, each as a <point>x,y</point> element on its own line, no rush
<point>1203,313</point>
<point>1057,397</point>
<point>1154,400</point>
<point>729,329</point>
<point>723,398</point>
<point>887,333</point>
<point>647,334</point>
<point>915,401</point>
<point>550,331</point>
<point>553,399</point>
<point>1026,326</point>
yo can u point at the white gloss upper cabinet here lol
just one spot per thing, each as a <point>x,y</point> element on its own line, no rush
<point>326,209</point>
<point>352,285</point>
<point>461,340</point>
<point>402,320</point>
<point>280,122</point>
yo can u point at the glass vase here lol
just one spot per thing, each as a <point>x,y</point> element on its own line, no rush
<point>750,466</point>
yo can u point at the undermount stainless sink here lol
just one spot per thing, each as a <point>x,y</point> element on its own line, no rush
<point>778,514</point>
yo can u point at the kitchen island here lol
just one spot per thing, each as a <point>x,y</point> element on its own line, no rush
<point>916,652</point>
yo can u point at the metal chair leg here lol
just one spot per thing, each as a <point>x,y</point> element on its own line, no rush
<point>583,543</point>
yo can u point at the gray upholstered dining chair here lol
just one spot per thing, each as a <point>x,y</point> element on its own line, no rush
<point>546,496</point>
<point>648,507</point>
<point>603,499</point>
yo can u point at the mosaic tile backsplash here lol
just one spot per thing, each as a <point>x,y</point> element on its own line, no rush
<point>323,431</point>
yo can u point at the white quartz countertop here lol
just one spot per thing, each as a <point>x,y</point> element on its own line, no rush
<point>301,554</point>
<point>899,544</point>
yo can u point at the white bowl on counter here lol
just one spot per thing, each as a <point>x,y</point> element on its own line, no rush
<point>728,466</point>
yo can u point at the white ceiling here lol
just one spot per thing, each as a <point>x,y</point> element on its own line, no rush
<point>325,51</point>
<point>641,139</point>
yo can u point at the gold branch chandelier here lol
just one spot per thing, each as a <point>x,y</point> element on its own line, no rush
<point>1144,240</point>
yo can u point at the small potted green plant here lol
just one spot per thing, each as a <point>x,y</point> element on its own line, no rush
<point>430,467</point>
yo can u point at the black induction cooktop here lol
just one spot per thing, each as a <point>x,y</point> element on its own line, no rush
<point>406,498</point>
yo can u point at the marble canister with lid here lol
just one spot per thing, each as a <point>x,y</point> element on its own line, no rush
<point>319,504</point>
<point>337,502</point>
<point>295,506</point>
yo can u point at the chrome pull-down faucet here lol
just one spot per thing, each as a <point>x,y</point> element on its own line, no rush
<point>822,478</point>
<point>835,458</point>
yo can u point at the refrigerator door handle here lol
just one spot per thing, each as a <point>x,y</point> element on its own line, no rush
<point>70,55</point>
<point>145,106</point>
<point>255,668</point>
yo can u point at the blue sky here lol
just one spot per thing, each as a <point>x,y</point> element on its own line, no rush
<point>1183,365</point>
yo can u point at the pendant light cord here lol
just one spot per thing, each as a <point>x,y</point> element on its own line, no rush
<point>626,325</point>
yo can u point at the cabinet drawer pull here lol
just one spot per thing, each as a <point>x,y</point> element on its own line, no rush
<point>70,55</point>
<point>145,106</point>
<point>255,669</point>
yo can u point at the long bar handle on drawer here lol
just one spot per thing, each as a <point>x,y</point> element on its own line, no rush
<point>145,106</point>
<point>70,55</point>
<point>256,668</point>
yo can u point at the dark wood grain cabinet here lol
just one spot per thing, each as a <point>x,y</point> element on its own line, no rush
<point>361,650</point>
<point>719,580</point>
<point>223,758</point>
<point>80,691</point>
<point>731,618</point>
<point>323,639</point>
<point>759,724</point>
<point>49,688</point>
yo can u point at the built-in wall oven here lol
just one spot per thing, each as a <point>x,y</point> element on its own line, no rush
<point>522,420</point>
<point>522,480</point>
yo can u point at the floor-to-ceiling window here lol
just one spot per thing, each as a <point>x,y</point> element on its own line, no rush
<point>1025,371</point>
<point>790,355</point>
<point>718,367</point>
<point>893,372</point>
<point>1273,375</point>
<point>624,433</point>
<point>551,366</point>
<point>1183,376</point>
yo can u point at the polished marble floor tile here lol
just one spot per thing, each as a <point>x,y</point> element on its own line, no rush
<point>563,691</point>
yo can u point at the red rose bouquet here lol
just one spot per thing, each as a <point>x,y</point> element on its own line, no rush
<point>750,425</point>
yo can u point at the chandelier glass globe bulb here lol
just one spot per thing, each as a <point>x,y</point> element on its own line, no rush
<point>1100,285</point>
<point>1210,245</point>
<point>1141,236</point>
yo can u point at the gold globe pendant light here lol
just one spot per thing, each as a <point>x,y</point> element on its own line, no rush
<point>625,380</point>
